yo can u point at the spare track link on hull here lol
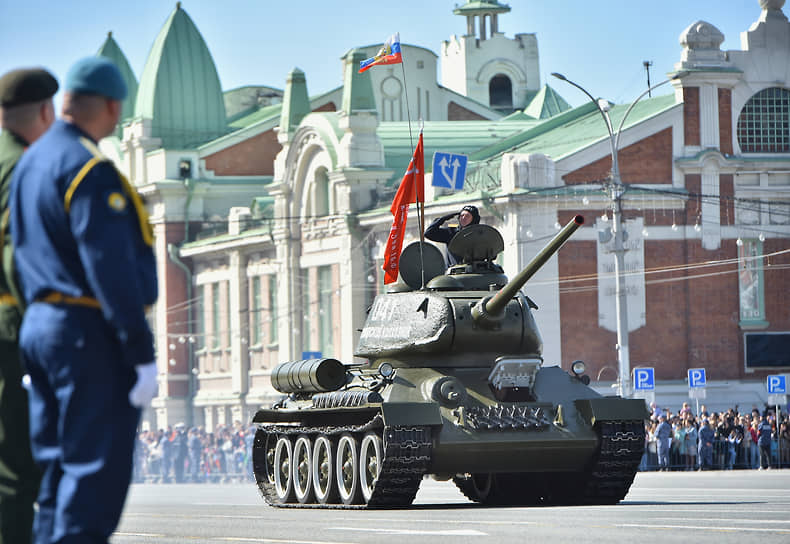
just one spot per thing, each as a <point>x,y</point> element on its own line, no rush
<point>406,452</point>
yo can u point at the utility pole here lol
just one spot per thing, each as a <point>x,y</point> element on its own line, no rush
<point>615,191</point>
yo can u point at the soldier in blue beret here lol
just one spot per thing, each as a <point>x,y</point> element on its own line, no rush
<point>26,112</point>
<point>84,259</point>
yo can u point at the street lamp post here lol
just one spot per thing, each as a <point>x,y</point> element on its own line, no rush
<point>616,190</point>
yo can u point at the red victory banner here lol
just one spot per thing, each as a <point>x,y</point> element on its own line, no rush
<point>412,189</point>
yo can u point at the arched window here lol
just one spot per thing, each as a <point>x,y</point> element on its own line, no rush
<point>321,193</point>
<point>500,92</point>
<point>764,122</point>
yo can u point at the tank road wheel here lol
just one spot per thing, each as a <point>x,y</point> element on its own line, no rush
<point>370,461</point>
<point>347,469</point>
<point>323,470</point>
<point>283,474</point>
<point>477,487</point>
<point>302,470</point>
<point>268,459</point>
<point>482,484</point>
<point>263,457</point>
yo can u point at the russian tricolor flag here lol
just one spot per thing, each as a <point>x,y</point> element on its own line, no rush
<point>388,54</point>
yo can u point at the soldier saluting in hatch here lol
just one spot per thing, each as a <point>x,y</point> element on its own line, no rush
<point>469,215</point>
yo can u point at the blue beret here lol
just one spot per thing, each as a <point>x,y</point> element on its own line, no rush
<point>96,75</point>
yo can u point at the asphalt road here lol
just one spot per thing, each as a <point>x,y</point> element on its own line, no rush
<point>699,507</point>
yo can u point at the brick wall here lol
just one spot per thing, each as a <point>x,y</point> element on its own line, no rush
<point>172,294</point>
<point>646,161</point>
<point>725,121</point>
<point>692,322</point>
<point>460,113</point>
<point>252,157</point>
<point>691,126</point>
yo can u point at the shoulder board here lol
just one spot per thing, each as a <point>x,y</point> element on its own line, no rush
<point>97,157</point>
<point>92,148</point>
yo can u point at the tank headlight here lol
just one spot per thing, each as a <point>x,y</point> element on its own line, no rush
<point>578,367</point>
<point>386,370</point>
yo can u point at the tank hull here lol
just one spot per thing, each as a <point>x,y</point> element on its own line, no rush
<point>448,422</point>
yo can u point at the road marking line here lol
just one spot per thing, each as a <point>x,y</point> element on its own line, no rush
<point>707,519</point>
<point>232,539</point>
<point>460,532</point>
<point>275,540</point>
<point>703,528</point>
<point>449,521</point>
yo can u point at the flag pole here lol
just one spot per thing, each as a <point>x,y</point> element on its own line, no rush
<point>420,209</point>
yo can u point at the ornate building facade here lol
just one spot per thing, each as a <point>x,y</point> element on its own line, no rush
<point>272,212</point>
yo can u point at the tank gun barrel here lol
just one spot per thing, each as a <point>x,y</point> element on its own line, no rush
<point>490,308</point>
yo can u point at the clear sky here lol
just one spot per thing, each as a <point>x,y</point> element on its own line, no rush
<point>600,45</point>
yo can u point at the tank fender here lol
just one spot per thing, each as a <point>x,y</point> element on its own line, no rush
<point>411,413</point>
<point>611,409</point>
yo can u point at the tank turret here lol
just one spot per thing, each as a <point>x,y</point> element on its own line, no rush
<point>450,317</point>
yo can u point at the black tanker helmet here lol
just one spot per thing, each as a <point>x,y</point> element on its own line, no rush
<point>475,214</point>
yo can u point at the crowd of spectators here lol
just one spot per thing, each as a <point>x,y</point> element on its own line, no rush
<point>682,440</point>
<point>179,455</point>
<point>678,440</point>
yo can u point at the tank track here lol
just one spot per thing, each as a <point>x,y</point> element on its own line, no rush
<point>606,481</point>
<point>612,472</point>
<point>407,458</point>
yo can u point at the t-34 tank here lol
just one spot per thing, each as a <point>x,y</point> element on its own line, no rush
<point>454,387</point>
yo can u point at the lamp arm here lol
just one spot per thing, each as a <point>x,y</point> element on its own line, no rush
<point>638,98</point>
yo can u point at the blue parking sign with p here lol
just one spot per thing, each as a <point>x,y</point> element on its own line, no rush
<point>697,377</point>
<point>644,379</point>
<point>777,384</point>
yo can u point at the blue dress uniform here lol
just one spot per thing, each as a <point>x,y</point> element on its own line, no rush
<point>83,253</point>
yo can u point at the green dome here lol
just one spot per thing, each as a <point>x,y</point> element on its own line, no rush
<point>179,89</point>
<point>112,51</point>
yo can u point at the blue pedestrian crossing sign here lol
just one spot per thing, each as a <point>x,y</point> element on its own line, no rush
<point>449,170</point>
<point>644,379</point>
<point>777,384</point>
<point>697,377</point>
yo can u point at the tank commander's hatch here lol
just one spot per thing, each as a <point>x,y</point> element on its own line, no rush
<point>410,264</point>
<point>477,243</point>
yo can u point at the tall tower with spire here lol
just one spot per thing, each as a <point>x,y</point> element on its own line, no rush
<point>483,64</point>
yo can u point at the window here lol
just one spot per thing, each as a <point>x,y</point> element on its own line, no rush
<point>255,290</point>
<point>764,122</point>
<point>500,92</point>
<point>228,328</point>
<point>321,193</point>
<point>325,292</point>
<point>215,322</point>
<point>307,309</point>
<point>200,318</point>
<point>767,350</point>
<point>272,309</point>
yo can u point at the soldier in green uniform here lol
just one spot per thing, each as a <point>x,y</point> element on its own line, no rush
<point>26,112</point>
